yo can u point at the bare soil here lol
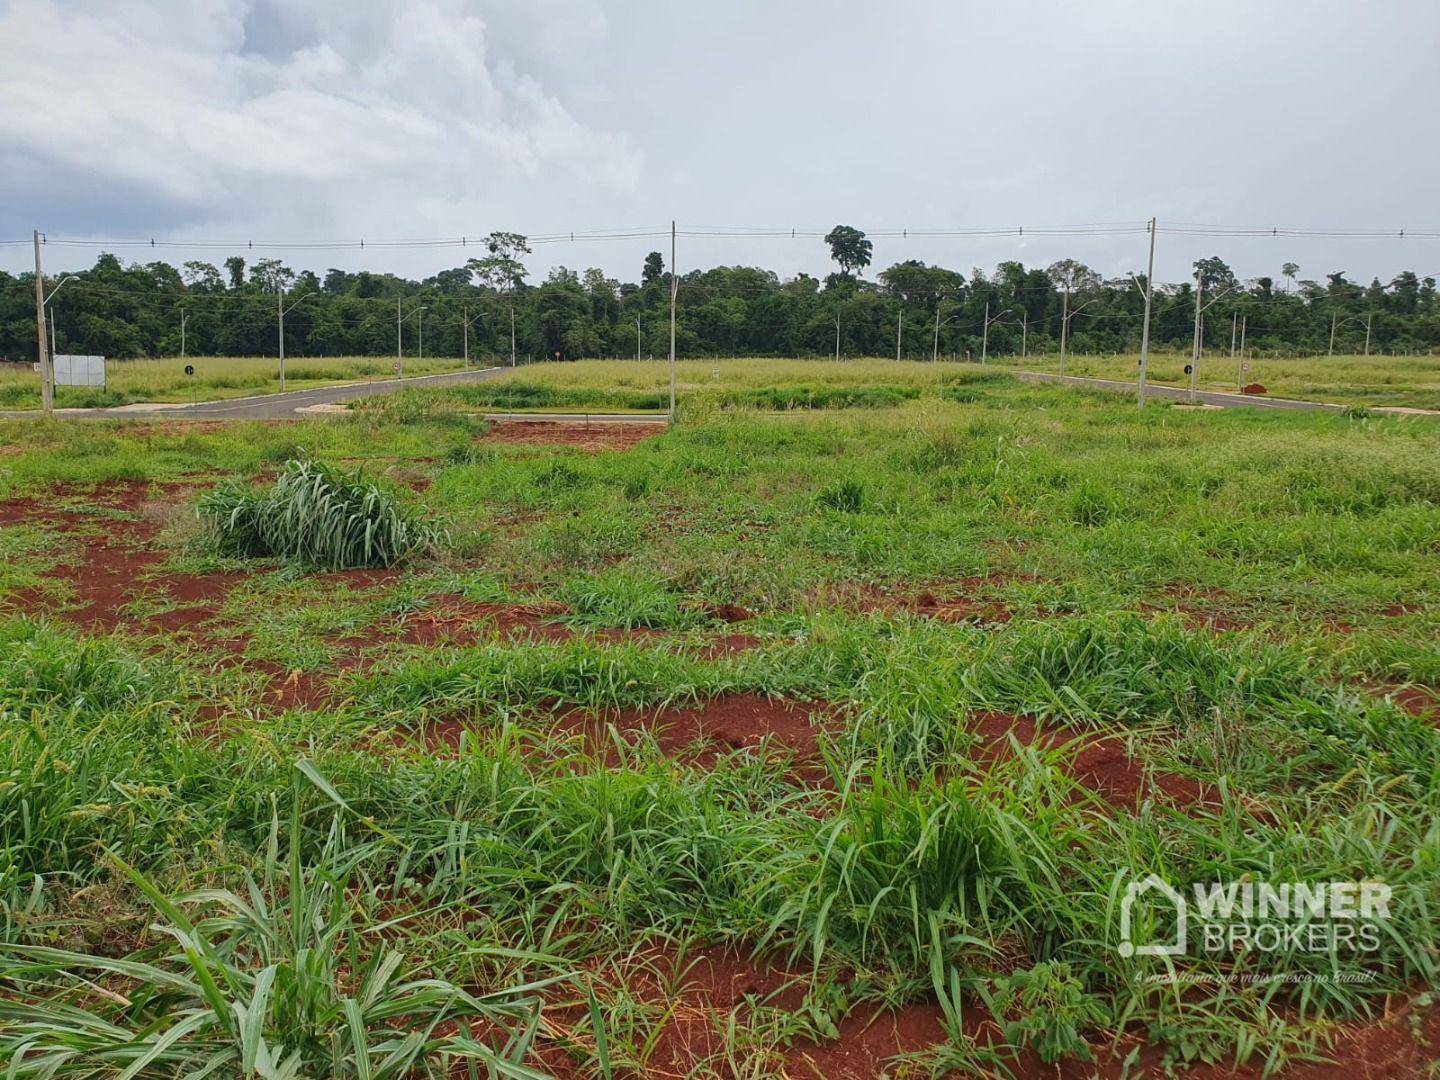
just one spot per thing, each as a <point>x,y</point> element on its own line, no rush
<point>593,438</point>
<point>1100,763</point>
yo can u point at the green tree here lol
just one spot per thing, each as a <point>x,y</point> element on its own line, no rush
<point>849,248</point>
<point>235,267</point>
<point>654,267</point>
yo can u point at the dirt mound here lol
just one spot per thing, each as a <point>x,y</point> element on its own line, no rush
<point>1254,388</point>
<point>578,435</point>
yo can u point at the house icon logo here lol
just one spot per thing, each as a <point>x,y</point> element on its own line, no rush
<point>1137,889</point>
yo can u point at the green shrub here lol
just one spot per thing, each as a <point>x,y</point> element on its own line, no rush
<point>1045,1009</point>
<point>317,516</point>
<point>847,496</point>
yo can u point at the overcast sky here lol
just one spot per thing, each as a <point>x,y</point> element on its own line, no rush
<point>335,120</point>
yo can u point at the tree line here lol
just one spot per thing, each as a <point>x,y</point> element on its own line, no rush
<point>489,305</point>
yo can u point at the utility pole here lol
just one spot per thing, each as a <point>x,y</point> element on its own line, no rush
<point>1064,327</point>
<point>1334,315</point>
<point>420,318</point>
<point>399,354</point>
<point>465,333</point>
<point>184,317</point>
<point>1195,339</point>
<point>280,309</point>
<point>935,352</point>
<point>47,369</point>
<point>1240,367</point>
<point>674,288</point>
<point>899,321</point>
<point>1368,319</point>
<point>637,337</point>
<point>512,333</point>
<point>1234,318</point>
<point>837,337</point>
<point>1145,332</point>
<point>985,334</point>
<point>1024,335</point>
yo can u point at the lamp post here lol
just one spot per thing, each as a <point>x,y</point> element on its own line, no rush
<point>1065,318</point>
<point>282,311</point>
<point>985,333</point>
<point>1195,340</point>
<point>465,323</point>
<point>46,305</point>
<point>935,347</point>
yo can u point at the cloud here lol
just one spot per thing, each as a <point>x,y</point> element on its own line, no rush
<point>372,117</point>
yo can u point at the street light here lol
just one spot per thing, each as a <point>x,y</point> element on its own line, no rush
<point>935,348</point>
<point>985,333</point>
<point>282,309</point>
<point>465,324</point>
<point>46,304</point>
<point>1334,325</point>
<point>1195,341</point>
<point>399,324</point>
<point>1065,327</point>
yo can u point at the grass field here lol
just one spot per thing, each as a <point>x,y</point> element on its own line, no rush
<point>1410,381</point>
<point>816,736</point>
<point>130,381</point>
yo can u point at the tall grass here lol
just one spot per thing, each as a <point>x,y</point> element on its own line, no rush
<point>317,516</point>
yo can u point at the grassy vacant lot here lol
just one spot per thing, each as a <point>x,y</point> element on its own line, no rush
<point>215,377</point>
<point>811,743</point>
<point>1412,381</point>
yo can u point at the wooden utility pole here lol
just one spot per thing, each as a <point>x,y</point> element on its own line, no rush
<point>935,351</point>
<point>465,332</point>
<point>985,334</point>
<point>899,321</point>
<point>399,333</point>
<point>47,368</point>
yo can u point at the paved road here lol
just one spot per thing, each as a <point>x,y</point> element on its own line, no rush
<point>1177,393</point>
<point>272,406</point>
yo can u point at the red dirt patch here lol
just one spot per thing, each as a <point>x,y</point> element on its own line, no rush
<point>867,1042</point>
<point>1100,763</point>
<point>1416,700</point>
<point>454,620</point>
<point>702,733</point>
<point>696,734</point>
<point>1253,388</point>
<point>953,601</point>
<point>576,436</point>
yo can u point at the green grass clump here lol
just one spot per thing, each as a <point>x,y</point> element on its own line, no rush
<point>284,979</point>
<point>317,516</point>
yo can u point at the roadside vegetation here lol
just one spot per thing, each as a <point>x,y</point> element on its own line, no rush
<point>216,377</point>
<point>863,689</point>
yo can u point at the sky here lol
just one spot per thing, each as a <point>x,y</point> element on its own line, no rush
<point>199,122</point>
